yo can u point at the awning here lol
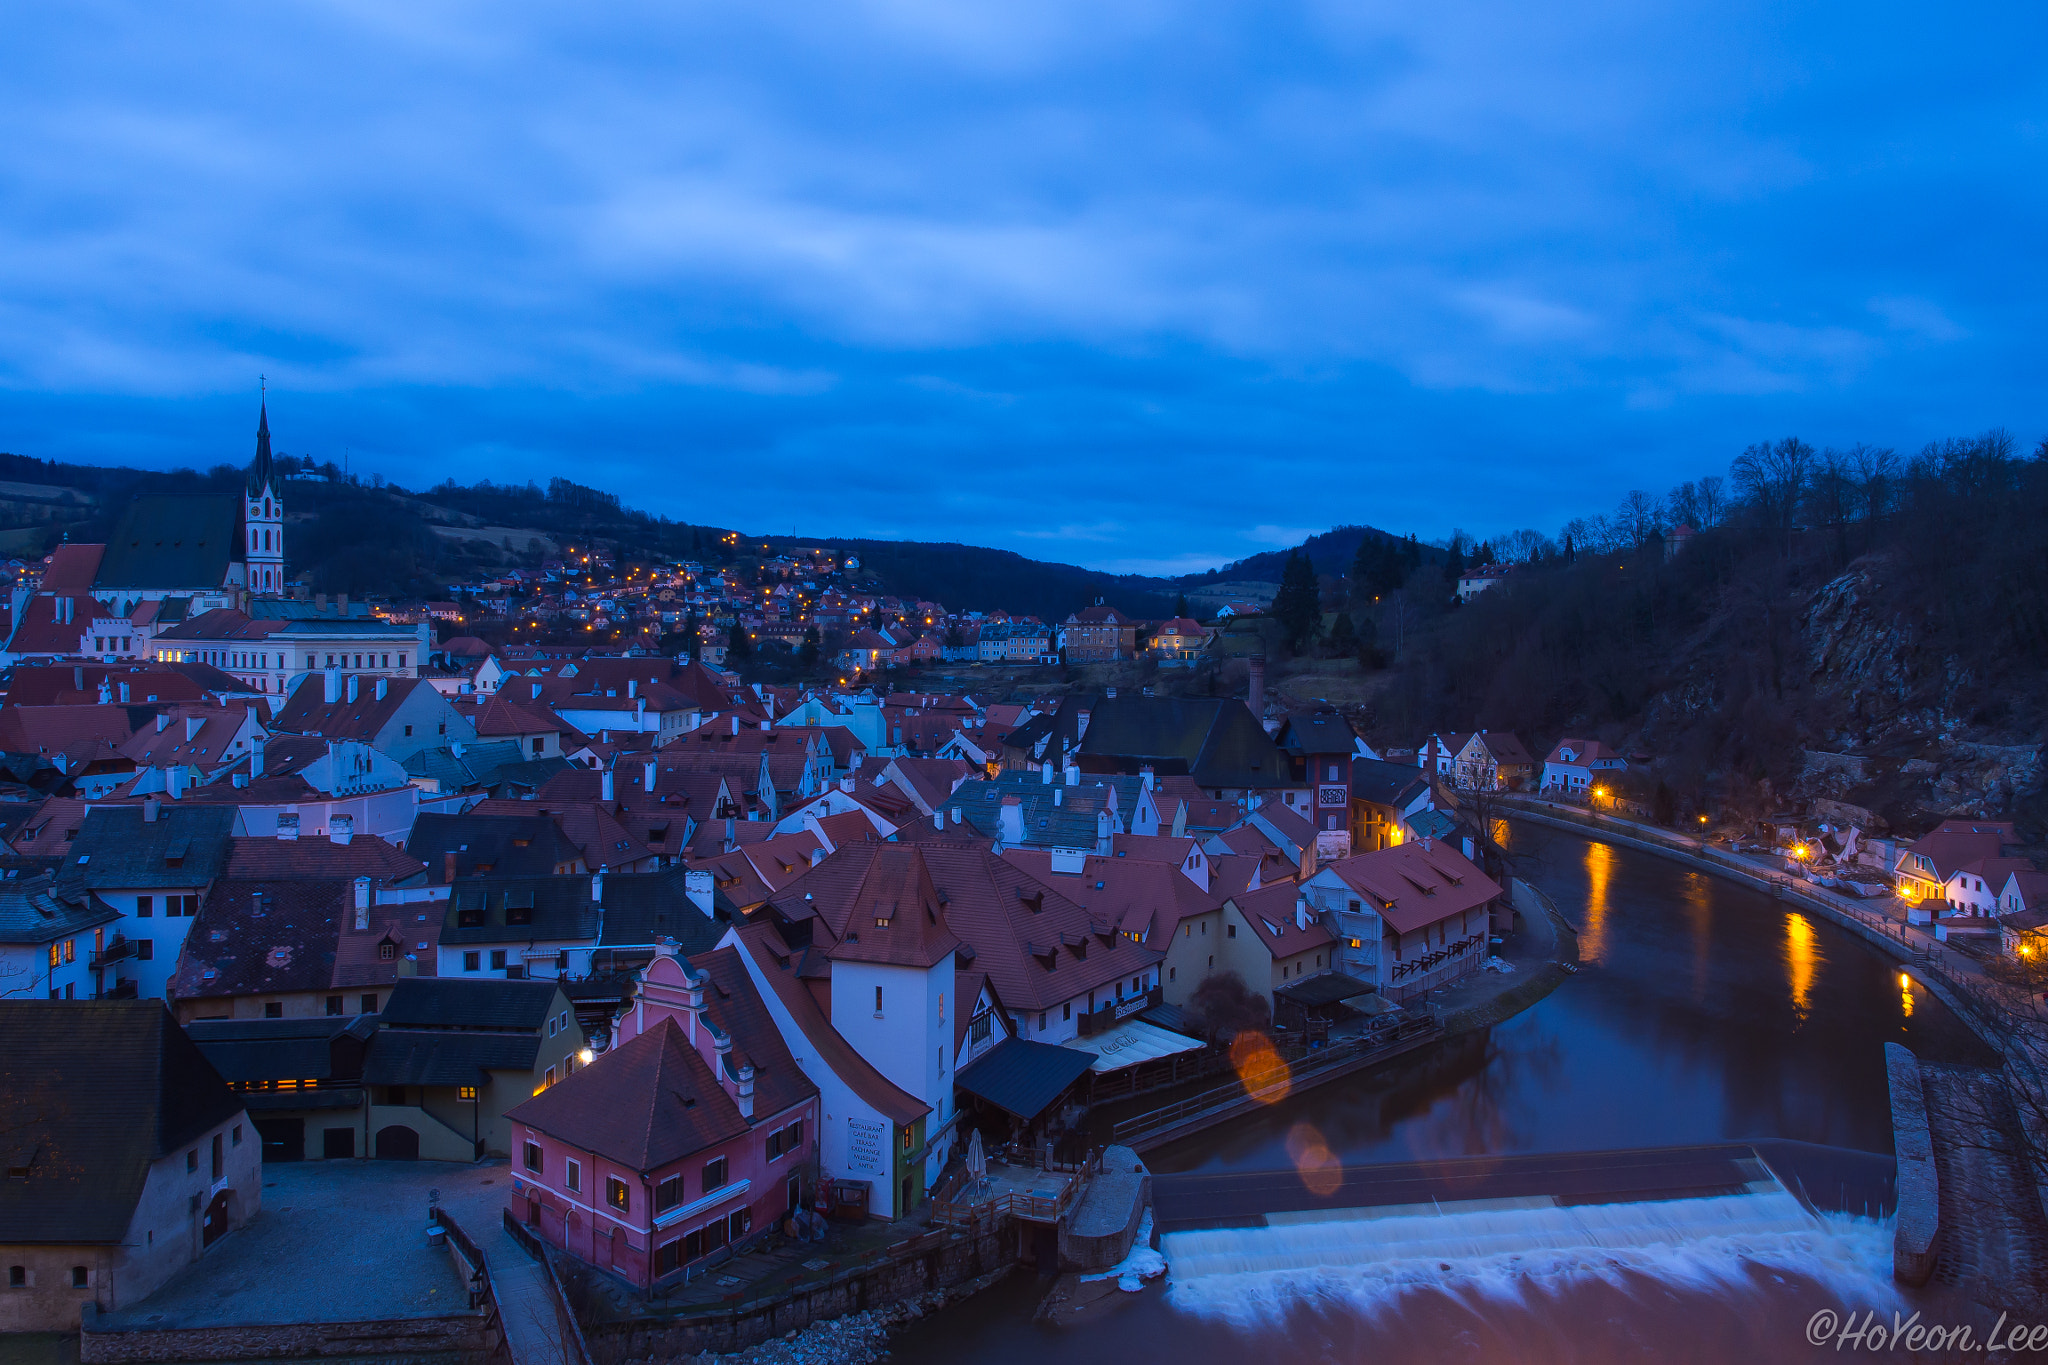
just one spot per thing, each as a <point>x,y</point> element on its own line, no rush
<point>1326,988</point>
<point>1129,1043</point>
<point>1022,1077</point>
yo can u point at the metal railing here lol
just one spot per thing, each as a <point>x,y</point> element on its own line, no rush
<point>1307,1071</point>
<point>118,950</point>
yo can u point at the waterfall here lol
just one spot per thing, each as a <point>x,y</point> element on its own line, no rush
<point>1505,1247</point>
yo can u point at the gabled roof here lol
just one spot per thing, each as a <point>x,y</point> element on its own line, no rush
<point>30,914</point>
<point>117,847</point>
<point>1411,886</point>
<point>1387,784</point>
<point>1215,740</point>
<point>308,712</point>
<point>90,1094</point>
<point>262,938</point>
<point>1270,913</point>
<point>783,969</point>
<point>641,907</point>
<point>646,1104</point>
<point>883,907</point>
<point>489,1004</point>
<point>173,540</point>
<point>366,855</point>
<point>520,910</point>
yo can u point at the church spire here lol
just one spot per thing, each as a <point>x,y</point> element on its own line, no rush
<point>260,472</point>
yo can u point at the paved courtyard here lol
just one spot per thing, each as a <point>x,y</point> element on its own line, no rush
<point>335,1241</point>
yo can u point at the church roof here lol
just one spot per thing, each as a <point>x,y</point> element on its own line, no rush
<point>261,472</point>
<point>174,540</point>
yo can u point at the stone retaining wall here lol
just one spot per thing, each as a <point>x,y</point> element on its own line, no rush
<point>1919,1216</point>
<point>953,1263</point>
<point>436,1339</point>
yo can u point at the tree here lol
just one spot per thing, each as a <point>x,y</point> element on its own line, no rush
<point>690,641</point>
<point>1773,480</point>
<point>1180,605</point>
<point>1367,644</point>
<point>1298,606</point>
<point>1343,637</point>
<point>737,645</point>
<point>1226,1007</point>
<point>807,653</point>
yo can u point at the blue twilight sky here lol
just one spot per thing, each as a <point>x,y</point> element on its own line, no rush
<point>1140,285</point>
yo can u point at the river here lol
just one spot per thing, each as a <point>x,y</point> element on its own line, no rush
<point>1705,1011</point>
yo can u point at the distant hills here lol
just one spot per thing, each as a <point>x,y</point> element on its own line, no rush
<point>1331,553</point>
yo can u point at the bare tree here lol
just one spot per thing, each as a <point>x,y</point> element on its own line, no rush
<point>1713,495</point>
<point>1682,505</point>
<point>1639,517</point>
<point>1877,478</point>
<point>1774,479</point>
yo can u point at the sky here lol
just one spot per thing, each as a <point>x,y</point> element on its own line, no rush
<point>1144,286</point>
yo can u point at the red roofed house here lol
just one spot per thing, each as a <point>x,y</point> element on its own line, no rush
<point>1408,918</point>
<point>695,1132</point>
<point>1926,866</point>
<point>1099,634</point>
<point>1572,766</point>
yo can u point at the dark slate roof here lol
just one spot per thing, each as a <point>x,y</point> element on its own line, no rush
<point>263,938</point>
<point>1386,784</point>
<point>322,1049</point>
<point>405,1056</point>
<point>1215,740</point>
<point>262,473</point>
<point>117,847</point>
<point>1316,732</point>
<point>1069,823</point>
<point>650,1102</point>
<point>520,910</point>
<point>492,845</point>
<point>30,914</point>
<point>90,1094</point>
<point>437,1002</point>
<point>640,907</point>
<point>1022,1077</point>
<point>173,540</point>
<point>1324,988</point>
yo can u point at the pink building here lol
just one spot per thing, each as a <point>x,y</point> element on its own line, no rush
<point>695,1132</point>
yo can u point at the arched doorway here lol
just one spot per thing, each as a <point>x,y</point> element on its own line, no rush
<point>219,1217</point>
<point>398,1143</point>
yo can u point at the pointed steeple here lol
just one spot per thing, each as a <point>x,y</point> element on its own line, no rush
<point>260,472</point>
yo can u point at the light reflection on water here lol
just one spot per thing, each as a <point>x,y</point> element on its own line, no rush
<point>1704,1013</point>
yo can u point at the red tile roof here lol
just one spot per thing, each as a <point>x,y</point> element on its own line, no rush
<point>646,1104</point>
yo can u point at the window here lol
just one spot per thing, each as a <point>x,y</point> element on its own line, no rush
<point>1173,973</point>
<point>237,1135</point>
<point>572,1171</point>
<point>617,1195</point>
<point>533,1157</point>
<point>145,906</point>
<point>71,950</point>
<point>408,732</point>
<point>547,1078</point>
<point>334,1004</point>
<point>395,1094</point>
<point>80,1277</point>
<point>369,1003</point>
<point>906,1139</point>
<point>467,1095</point>
<point>1041,1019</point>
<point>785,1141</point>
<point>470,961</point>
<point>220,1157</point>
<point>497,959</point>
<point>17,1277</point>
<point>1066,1012</point>
<point>387,952</point>
<point>273,1009</point>
<point>1232,928</point>
<point>668,1257</point>
<point>978,1031</point>
<point>668,1194</point>
<point>192,1162</point>
<point>714,1174</point>
<point>878,1002</point>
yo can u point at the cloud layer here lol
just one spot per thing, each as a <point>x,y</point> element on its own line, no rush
<point>1149,285</point>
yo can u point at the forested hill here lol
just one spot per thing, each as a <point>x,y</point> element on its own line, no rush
<point>352,535</point>
<point>1332,553</point>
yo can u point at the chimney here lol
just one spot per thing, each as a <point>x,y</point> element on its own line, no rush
<point>1010,822</point>
<point>1427,841</point>
<point>77,678</point>
<point>320,601</point>
<point>604,785</point>
<point>193,725</point>
<point>124,694</point>
<point>1073,774</point>
<point>597,887</point>
<point>341,829</point>
<point>256,758</point>
<point>956,815</point>
<point>287,825</point>
<point>341,604</point>
<point>1303,916</point>
<point>174,781</point>
<point>107,692</point>
<point>149,809</point>
<point>1145,777</point>
<point>735,724</point>
<point>332,685</point>
<point>664,946</point>
<point>362,904</point>
<point>938,819</point>
<point>163,721</point>
<point>355,683</point>
<point>846,784</point>
<point>1057,792</point>
<point>650,774</point>
<point>383,688</point>
<point>632,687</point>
<point>731,836</point>
<point>746,1095</point>
<point>1256,699</point>
<point>448,866</point>
<point>1045,774</point>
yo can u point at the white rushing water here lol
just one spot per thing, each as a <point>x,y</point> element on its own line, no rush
<point>1504,1248</point>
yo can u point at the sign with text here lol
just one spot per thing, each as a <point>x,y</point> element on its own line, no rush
<point>867,1146</point>
<point>1333,796</point>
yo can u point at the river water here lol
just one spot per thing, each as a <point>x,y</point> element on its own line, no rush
<point>1705,1011</point>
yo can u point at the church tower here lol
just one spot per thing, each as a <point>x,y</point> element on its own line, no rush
<point>263,517</point>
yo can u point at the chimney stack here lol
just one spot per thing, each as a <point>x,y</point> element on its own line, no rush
<point>1257,698</point>
<point>604,785</point>
<point>745,1098</point>
<point>362,904</point>
<point>149,809</point>
<point>448,866</point>
<point>256,758</point>
<point>355,685</point>
<point>597,887</point>
<point>174,781</point>
<point>383,688</point>
<point>107,692</point>
<point>193,725</point>
<point>124,694</point>
<point>650,774</point>
<point>331,679</point>
<point>1010,821</point>
<point>163,721</point>
<point>341,829</point>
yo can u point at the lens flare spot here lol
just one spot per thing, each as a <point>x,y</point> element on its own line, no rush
<point>1314,1161</point>
<point>1260,1069</point>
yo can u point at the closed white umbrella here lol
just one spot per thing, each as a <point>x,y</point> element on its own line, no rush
<point>977,1160</point>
